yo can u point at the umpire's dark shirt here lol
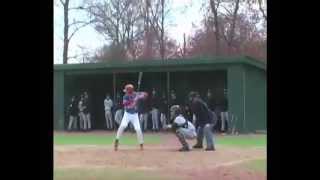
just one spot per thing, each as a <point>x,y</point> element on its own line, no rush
<point>201,111</point>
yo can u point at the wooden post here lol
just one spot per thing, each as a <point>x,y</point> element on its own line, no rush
<point>114,87</point>
<point>168,95</point>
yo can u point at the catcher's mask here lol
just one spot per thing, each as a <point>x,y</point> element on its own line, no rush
<point>175,111</point>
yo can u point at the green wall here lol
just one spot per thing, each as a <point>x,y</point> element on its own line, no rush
<point>255,99</point>
<point>246,89</point>
<point>247,97</point>
<point>236,95</point>
<point>58,101</point>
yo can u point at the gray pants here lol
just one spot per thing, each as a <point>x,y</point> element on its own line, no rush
<point>155,119</point>
<point>187,133</point>
<point>224,120</point>
<point>144,120</point>
<point>163,120</point>
<point>82,119</point>
<point>72,121</point>
<point>108,116</point>
<point>183,134</point>
<point>207,132</point>
<point>87,121</point>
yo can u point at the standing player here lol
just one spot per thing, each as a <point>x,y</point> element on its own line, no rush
<point>183,128</point>
<point>72,111</point>
<point>108,104</point>
<point>130,114</point>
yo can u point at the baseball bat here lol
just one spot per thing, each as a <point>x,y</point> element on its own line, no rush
<point>139,80</point>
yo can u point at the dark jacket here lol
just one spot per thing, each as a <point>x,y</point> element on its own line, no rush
<point>210,102</point>
<point>86,103</point>
<point>201,111</point>
<point>143,106</point>
<point>163,106</point>
<point>73,108</point>
<point>155,102</point>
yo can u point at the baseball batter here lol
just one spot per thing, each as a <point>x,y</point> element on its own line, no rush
<point>130,114</point>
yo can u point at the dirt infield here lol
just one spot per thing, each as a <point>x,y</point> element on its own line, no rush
<point>224,163</point>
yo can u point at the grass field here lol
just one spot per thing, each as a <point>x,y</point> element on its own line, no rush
<point>105,140</point>
<point>130,139</point>
<point>89,139</point>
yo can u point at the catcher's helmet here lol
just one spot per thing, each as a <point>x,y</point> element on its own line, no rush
<point>175,110</point>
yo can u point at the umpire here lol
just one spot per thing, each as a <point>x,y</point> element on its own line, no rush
<point>204,123</point>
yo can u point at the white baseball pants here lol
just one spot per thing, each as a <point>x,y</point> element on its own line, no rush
<point>134,119</point>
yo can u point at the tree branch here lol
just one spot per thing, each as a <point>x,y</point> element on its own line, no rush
<point>262,10</point>
<point>77,22</point>
<point>63,3</point>
<point>228,11</point>
<point>77,8</point>
<point>77,29</point>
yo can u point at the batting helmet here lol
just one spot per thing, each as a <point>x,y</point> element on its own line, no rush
<point>128,88</point>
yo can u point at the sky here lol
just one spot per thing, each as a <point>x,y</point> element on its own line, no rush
<point>184,14</point>
<point>181,20</point>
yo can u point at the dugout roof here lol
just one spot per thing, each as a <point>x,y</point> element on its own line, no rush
<point>162,65</point>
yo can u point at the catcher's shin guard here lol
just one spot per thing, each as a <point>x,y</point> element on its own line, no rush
<point>182,140</point>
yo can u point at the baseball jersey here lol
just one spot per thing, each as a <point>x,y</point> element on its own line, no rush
<point>130,101</point>
<point>180,121</point>
<point>108,104</point>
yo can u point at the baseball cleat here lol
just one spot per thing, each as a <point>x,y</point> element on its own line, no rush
<point>116,143</point>
<point>210,149</point>
<point>183,149</point>
<point>197,146</point>
<point>141,147</point>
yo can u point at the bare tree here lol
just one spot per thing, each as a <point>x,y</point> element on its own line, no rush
<point>263,8</point>
<point>214,6</point>
<point>117,20</point>
<point>239,28</point>
<point>159,10</point>
<point>76,24</point>
<point>229,27</point>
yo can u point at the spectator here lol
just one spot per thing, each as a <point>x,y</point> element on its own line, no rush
<point>209,100</point>
<point>163,106</point>
<point>143,109</point>
<point>108,104</point>
<point>154,110</point>
<point>72,111</point>
<point>86,111</point>
<point>187,113</point>
<point>118,114</point>
<point>224,112</point>
<point>173,100</point>
<point>82,117</point>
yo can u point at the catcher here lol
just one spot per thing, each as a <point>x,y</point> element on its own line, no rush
<point>183,128</point>
<point>130,114</point>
